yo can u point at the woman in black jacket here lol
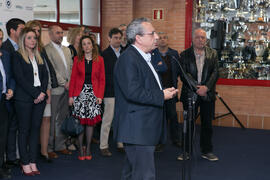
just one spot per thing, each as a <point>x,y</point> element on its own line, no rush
<point>46,120</point>
<point>31,78</point>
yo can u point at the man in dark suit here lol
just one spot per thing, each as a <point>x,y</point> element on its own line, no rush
<point>168,58</point>
<point>14,27</point>
<point>7,87</point>
<point>200,64</point>
<point>139,120</point>
<point>110,56</point>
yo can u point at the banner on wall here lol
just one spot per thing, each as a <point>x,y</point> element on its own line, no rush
<point>22,9</point>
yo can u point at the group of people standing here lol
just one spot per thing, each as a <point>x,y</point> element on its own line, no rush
<point>135,78</point>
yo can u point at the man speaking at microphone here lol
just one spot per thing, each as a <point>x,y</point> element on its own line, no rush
<point>139,98</point>
<point>200,63</point>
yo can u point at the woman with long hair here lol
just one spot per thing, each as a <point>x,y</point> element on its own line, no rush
<point>31,79</point>
<point>73,38</point>
<point>86,91</point>
<point>45,125</point>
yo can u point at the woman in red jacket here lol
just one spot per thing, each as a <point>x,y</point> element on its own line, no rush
<point>86,91</point>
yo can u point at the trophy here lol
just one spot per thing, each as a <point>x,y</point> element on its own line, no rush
<point>200,12</point>
<point>263,5</point>
<point>212,9</point>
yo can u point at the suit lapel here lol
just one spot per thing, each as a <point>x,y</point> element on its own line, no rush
<point>67,61</point>
<point>11,47</point>
<point>113,53</point>
<point>140,57</point>
<point>58,59</point>
<point>205,66</point>
<point>193,64</point>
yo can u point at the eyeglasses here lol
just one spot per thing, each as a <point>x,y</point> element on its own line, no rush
<point>150,33</point>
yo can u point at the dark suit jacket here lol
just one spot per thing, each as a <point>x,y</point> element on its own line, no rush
<point>157,61</point>
<point>52,73</point>
<point>209,74</point>
<point>139,117</point>
<point>7,46</point>
<point>109,61</point>
<point>10,82</point>
<point>161,66</point>
<point>25,90</point>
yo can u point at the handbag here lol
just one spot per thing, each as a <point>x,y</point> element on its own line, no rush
<point>71,126</point>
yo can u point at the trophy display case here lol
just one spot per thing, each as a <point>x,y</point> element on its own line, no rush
<point>240,32</point>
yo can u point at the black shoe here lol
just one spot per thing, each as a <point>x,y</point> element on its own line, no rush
<point>105,152</point>
<point>4,174</point>
<point>210,156</point>
<point>7,170</point>
<point>121,149</point>
<point>11,164</point>
<point>45,158</point>
<point>159,148</point>
<point>177,144</point>
<point>181,157</point>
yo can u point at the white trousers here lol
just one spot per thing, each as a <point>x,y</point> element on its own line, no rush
<point>106,122</point>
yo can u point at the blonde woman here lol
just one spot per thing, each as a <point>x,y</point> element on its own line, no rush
<point>31,79</point>
<point>45,125</point>
<point>73,38</point>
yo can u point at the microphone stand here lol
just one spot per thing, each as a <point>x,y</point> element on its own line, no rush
<point>184,144</point>
<point>189,117</point>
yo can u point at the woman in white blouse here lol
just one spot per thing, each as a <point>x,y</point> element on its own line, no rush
<point>31,79</point>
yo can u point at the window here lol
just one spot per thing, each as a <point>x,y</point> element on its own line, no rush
<point>91,12</point>
<point>45,10</point>
<point>70,11</point>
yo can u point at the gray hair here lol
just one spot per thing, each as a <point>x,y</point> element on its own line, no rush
<point>135,28</point>
<point>162,33</point>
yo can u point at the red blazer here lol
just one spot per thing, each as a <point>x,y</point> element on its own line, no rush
<point>78,77</point>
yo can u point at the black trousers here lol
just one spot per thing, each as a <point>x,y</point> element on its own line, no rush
<point>30,117</point>
<point>12,133</point>
<point>207,111</point>
<point>3,128</point>
<point>171,116</point>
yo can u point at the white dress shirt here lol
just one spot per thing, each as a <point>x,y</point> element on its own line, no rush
<point>35,72</point>
<point>147,58</point>
<point>3,73</point>
<point>61,53</point>
<point>199,62</point>
<point>117,53</point>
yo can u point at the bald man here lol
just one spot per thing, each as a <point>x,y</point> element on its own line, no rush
<point>61,60</point>
<point>200,63</point>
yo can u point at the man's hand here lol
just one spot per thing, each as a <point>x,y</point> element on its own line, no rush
<point>170,93</point>
<point>67,85</point>
<point>9,94</point>
<point>71,101</point>
<point>202,90</point>
<point>99,100</point>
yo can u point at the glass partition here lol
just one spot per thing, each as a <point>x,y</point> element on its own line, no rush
<point>45,10</point>
<point>239,31</point>
<point>91,12</point>
<point>70,11</point>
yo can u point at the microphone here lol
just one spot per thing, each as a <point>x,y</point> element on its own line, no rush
<point>191,82</point>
